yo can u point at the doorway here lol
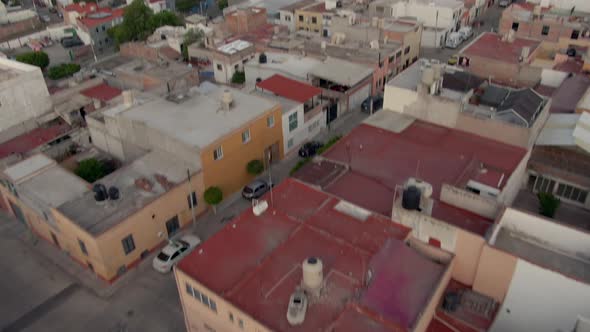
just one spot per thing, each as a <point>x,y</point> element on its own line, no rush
<point>271,154</point>
<point>172,226</point>
<point>332,112</point>
<point>55,241</point>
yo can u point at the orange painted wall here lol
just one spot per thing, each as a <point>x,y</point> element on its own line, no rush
<point>494,273</point>
<point>229,173</point>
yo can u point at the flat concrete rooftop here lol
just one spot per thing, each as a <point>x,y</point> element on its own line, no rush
<point>379,159</point>
<point>262,266</point>
<point>288,64</point>
<point>526,247</point>
<point>10,69</point>
<point>197,118</point>
<point>97,217</point>
<point>353,51</point>
<point>341,72</point>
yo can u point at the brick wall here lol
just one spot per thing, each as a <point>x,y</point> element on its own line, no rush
<point>139,50</point>
<point>534,29</point>
<point>16,29</point>
<point>242,21</point>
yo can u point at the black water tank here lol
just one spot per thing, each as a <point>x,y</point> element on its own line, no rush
<point>113,193</point>
<point>100,192</point>
<point>262,58</point>
<point>411,198</point>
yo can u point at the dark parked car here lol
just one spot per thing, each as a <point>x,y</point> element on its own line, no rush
<point>255,189</point>
<point>71,42</point>
<point>309,149</point>
<point>377,104</point>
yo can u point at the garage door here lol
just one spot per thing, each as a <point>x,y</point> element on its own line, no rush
<point>356,99</point>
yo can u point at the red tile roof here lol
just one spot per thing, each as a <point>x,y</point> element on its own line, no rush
<point>288,88</point>
<point>254,263</point>
<point>35,138</point>
<point>380,160</point>
<point>90,21</point>
<point>490,45</point>
<point>102,92</point>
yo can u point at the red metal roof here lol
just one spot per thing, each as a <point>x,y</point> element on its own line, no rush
<point>288,88</point>
<point>102,92</point>
<point>380,160</point>
<point>490,45</point>
<point>91,22</point>
<point>254,262</point>
<point>29,141</point>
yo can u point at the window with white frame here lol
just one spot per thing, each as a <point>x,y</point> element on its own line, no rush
<point>289,143</point>
<point>292,122</point>
<point>571,193</point>
<point>201,297</point>
<point>544,185</point>
<point>270,121</point>
<point>246,136</point>
<point>218,153</point>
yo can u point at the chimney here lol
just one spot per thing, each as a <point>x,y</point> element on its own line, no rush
<point>227,100</point>
<point>128,98</point>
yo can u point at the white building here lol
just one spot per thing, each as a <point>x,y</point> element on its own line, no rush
<point>439,17</point>
<point>303,110</point>
<point>289,65</point>
<point>226,59</point>
<point>540,271</point>
<point>23,98</point>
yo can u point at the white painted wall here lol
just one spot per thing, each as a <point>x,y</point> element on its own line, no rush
<point>23,97</point>
<point>425,227</point>
<point>287,19</point>
<point>541,300</point>
<point>434,39</point>
<point>559,237</point>
<point>396,99</point>
<point>429,14</point>
<point>356,99</point>
<point>227,70</point>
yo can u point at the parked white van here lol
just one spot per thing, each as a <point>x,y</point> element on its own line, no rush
<point>466,32</point>
<point>453,40</point>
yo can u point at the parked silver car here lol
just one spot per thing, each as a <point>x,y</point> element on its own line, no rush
<point>255,189</point>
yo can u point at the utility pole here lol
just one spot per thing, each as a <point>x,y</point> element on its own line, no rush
<point>436,29</point>
<point>270,180</point>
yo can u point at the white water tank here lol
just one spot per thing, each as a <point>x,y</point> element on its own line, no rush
<point>227,100</point>
<point>313,274</point>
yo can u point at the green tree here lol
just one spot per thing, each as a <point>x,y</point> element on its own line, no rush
<point>163,18</point>
<point>39,59</point>
<point>190,37</point>
<point>136,23</point>
<point>90,170</point>
<point>548,204</point>
<point>213,196</point>
<point>239,77</point>
<point>222,4</point>
<point>63,70</point>
<point>255,167</point>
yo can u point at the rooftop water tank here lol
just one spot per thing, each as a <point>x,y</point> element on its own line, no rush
<point>313,274</point>
<point>411,198</point>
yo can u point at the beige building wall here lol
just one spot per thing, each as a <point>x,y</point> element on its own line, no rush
<point>468,251</point>
<point>307,24</point>
<point>229,173</point>
<point>201,318</point>
<point>148,226</point>
<point>494,273</point>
